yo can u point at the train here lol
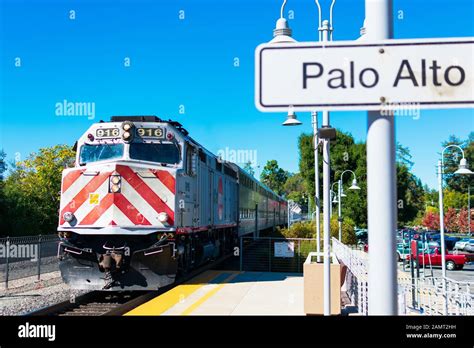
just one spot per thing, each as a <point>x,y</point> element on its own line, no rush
<point>146,203</point>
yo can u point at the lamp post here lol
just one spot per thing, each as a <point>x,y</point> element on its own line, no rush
<point>341,192</point>
<point>469,210</point>
<point>461,170</point>
<point>282,33</point>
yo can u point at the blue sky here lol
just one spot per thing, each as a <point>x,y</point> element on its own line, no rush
<point>190,62</point>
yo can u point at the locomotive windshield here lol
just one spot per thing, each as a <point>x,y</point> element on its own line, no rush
<point>168,153</point>
<point>93,153</point>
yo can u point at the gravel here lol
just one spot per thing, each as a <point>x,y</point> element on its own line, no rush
<point>28,295</point>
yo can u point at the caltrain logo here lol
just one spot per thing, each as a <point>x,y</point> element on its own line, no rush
<point>220,203</point>
<point>117,195</point>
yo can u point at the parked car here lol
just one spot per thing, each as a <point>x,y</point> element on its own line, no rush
<point>448,241</point>
<point>433,257</point>
<point>463,243</point>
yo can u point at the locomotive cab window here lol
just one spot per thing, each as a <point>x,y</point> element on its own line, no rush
<point>168,153</point>
<point>93,153</point>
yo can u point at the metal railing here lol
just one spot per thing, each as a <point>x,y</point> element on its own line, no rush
<point>268,254</point>
<point>357,279</point>
<point>27,256</point>
<point>425,296</point>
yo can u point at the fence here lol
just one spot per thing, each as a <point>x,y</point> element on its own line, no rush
<point>267,254</point>
<point>27,256</point>
<point>357,287</point>
<point>426,296</point>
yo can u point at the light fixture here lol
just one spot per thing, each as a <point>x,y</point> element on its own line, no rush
<point>127,134</point>
<point>342,193</point>
<point>282,31</point>
<point>115,188</point>
<point>354,185</point>
<point>115,183</point>
<point>163,217</point>
<point>335,200</point>
<point>291,119</point>
<point>463,169</point>
<point>68,216</point>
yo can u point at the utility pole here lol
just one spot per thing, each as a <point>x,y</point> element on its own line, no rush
<point>381,181</point>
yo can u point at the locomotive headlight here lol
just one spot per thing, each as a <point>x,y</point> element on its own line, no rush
<point>68,216</point>
<point>126,135</point>
<point>115,188</point>
<point>126,126</point>
<point>163,217</point>
<point>115,182</point>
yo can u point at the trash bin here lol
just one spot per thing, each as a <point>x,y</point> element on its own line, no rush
<point>313,274</point>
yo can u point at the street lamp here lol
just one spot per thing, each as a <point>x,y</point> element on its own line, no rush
<point>341,195</point>
<point>461,170</point>
<point>291,119</point>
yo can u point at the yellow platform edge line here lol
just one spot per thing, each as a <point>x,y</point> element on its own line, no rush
<point>162,303</point>
<point>209,294</point>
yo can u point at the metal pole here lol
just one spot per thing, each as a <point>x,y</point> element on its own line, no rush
<point>327,203</point>
<point>469,209</point>
<point>381,180</point>
<point>339,209</point>
<point>314,116</point>
<point>7,261</point>
<point>39,258</point>
<point>441,233</point>
<point>441,219</point>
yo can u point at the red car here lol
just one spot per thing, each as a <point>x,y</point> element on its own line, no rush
<point>453,261</point>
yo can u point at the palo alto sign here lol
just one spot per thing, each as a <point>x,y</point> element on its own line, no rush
<point>349,75</point>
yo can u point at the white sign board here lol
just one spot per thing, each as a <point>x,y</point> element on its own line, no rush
<point>284,249</point>
<point>356,75</point>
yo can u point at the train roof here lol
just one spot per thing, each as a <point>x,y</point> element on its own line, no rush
<point>179,127</point>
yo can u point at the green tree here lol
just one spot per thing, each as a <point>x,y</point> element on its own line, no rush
<point>32,191</point>
<point>274,177</point>
<point>3,164</point>
<point>404,156</point>
<point>454,199</point>
<point>249,168</point>
<point>347,154</point>
<point>410,196</point>
<point>295,189</point>
<point>3,208</point>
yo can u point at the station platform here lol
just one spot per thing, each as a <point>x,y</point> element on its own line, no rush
<point>231,293</point>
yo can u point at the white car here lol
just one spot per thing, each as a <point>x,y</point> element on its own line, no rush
<point>463,243</point>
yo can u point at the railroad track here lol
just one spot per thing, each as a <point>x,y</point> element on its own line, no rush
<point>114,303</point>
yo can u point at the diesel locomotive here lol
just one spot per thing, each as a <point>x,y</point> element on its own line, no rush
<point>145,202</point>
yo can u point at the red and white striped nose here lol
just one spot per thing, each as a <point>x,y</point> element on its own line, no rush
<point>117,195</point>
